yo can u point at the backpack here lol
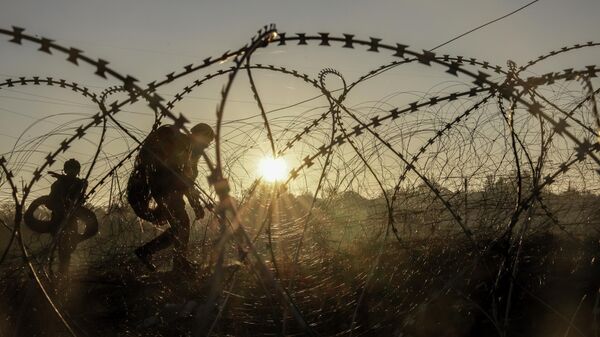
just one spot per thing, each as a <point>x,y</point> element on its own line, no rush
<point>163,150</point>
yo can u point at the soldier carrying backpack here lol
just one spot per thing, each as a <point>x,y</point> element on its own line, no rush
<point>165,170</point>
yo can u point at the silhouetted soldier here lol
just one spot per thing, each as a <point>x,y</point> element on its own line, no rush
<point>165,170</point>
<point>66,203</point>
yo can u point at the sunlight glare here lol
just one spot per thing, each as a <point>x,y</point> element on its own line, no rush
<point>273,169</point>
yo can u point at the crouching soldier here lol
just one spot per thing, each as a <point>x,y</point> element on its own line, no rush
<point>65,201</point>
<point>165,170</point>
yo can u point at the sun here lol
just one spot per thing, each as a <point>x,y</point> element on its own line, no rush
<point>273,169</point>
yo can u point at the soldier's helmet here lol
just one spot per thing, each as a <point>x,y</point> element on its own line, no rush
<point>72,167</point>
<point>202,134</point>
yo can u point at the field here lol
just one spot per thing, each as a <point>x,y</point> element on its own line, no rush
<point>353,277</point>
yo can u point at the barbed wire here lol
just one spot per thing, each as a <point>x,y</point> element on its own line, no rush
<point>284,248</point>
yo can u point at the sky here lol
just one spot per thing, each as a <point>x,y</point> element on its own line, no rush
<point>198,28</point>
<point>149,39</point>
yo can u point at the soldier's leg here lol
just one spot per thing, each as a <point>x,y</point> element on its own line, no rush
<point>173,212</point>
<point>67,242</point>
<point>64,259</point>
<point>180,223</point>
<point>164,240</point>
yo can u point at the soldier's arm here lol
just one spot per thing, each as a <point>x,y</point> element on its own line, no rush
<point>84,186</point>
<point>193,196</point>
